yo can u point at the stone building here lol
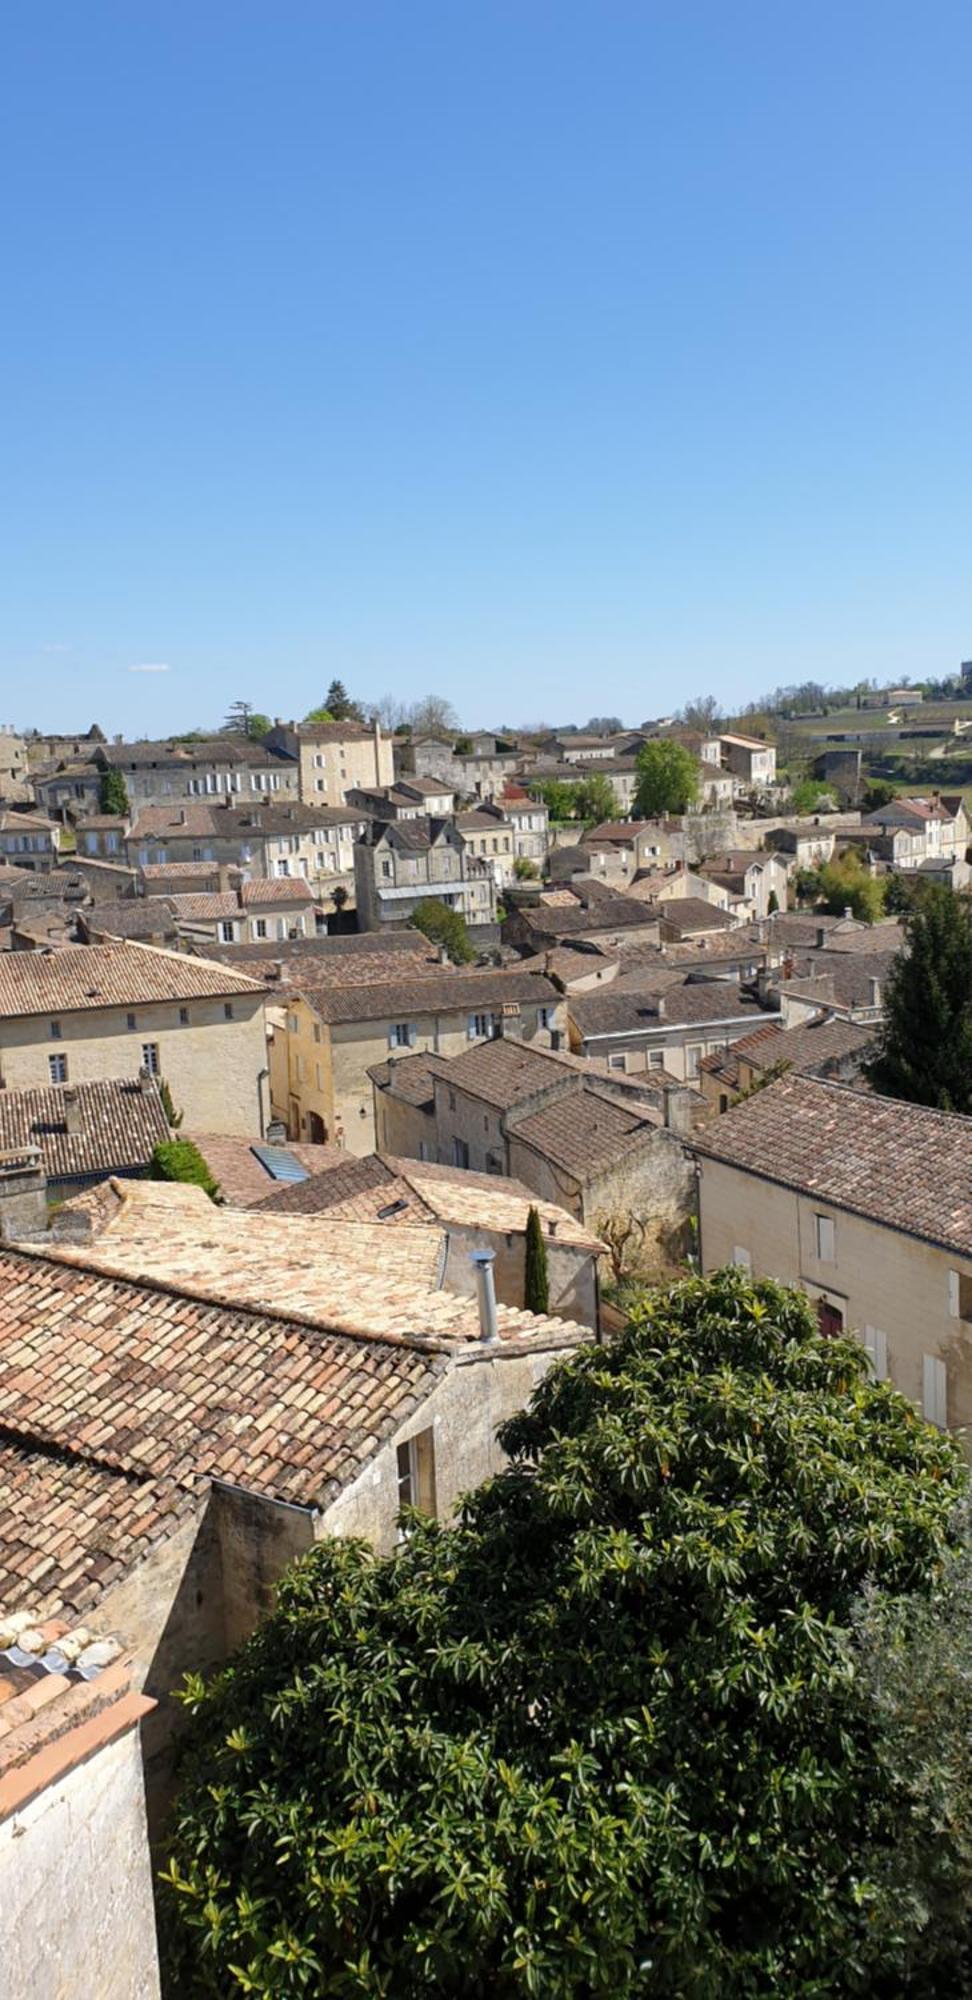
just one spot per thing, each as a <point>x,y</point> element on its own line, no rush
<point>29,840</point>
<point>14,786</point>
<point>84,1132</point>
<point>91,1013</point>
<point>232,767</point>
<point>661,1020</point>
<point>335,758</point>
<point>865,1202</point>
<point>402,863</point>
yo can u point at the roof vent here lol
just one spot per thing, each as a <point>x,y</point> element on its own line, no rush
<point>482,1263</point>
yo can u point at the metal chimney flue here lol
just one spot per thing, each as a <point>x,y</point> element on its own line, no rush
<point>482,1263</point>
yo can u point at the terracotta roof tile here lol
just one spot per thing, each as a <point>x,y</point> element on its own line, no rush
<point>108,975</point>
<point>118,1126</point>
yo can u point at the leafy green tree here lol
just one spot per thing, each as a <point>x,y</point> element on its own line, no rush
<point>113,792</point>
<point>916,1654</point>
<point>559,797</point>
<point>319,715</point>
<point>606,1735</point>
<point>339,704</point>
<point>668,779</point>
<point>173,1117</point>
<point>181,1160</point>
<point>807,794</point>
<point>845,884</point>
<point>595,798</point>
<point>444,927</point>
<point>536,1284</point>
<point>244,720</point>
<point>773,903</point>
<point>463,746</point>
<point>877,793</point>
<point>524,869</point>
<point>925,1053</point>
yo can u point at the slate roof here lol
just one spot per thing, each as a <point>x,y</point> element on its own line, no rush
<point>108,975</point>
<point>120,1124</point>
<point>895,1163</point>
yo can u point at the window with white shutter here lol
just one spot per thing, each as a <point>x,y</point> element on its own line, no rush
<point>876,1348</point>
<point>934,1390</point>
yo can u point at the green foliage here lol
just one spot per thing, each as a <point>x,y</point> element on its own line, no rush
<point>340,706</point>
<point>559,797</point>
<point>603,1737</point>
<point>877,793</point>
<point>536,1286</point>
<point>925,1053</point>
<point>444,926</point>
<point>319,715</point>
<point>595,798</point>
<point>113,792</point>
<point>844,884</point>
<point>173,1116</point>
<point>917,1656</point>
<point>524,869</point>
<point>463,746</point>
<point>773,903</point>
<point>807,795</point>
<point>258,725</point>
<point>180,1160</point>
<point>668,779</point>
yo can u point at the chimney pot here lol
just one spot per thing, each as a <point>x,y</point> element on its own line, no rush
<point>482,1263</point>
<point>145,1082</point>
<point>821,937</point>
<point>72,1110</point>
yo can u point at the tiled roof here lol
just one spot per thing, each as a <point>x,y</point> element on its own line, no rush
<point>158,871</point>
<point>802,1048</point>
<point>419,1191</point>
<point>693,913</point>
<point>282,889</point>
<point>217,750</point>
<point>156,1383</point>
<point>242,1180</point>
<point>193,819</point>
<point>363,1190</point>
<point>132,917</point>
<point>119,1126</point>
<point>205,905</point>
<point>845,976</point>
<point>335,732</point>
<point>108,975</point>
<point>603,913</point>
<point>438,989</point>
<point>502,1071</point>
<point>584,1132</point>
<point>342,1276</point>
<point>17,822</point>
<point>898,1164</point>
<point>70,1527</point>
<point>408,1078</point>
<point>625,1007</point>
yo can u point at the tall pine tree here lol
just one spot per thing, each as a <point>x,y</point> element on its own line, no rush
<point>925,1053</point>
<point>536,1287</point>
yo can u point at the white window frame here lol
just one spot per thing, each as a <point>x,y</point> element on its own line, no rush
<point>825,1239</point>
<point>934,1390</point>
<point>150,1058</point>
<point>57,1067</point>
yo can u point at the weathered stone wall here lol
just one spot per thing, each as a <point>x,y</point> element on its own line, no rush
<point>76,1915</point>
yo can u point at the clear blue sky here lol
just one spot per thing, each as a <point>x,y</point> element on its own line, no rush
<point>559,358</point>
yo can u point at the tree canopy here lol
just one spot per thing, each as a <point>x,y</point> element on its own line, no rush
<point>113,792</point>
<point>446,927</point>
<point>605,1735</point>
<point>668,779</point>
<point>925,1053</point>
<point>181,1160</point>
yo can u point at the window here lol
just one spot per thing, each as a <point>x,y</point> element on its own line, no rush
<point>452,1100</point>
<point>876,1349</point>
<point>183,1017</point>
<point>656,1058</point>
<point>401,1035</point>
<point>479,1026</point>
<point>227,1010</point>
<point>741,1257</point>
<point>283,867</point>
<point>55,1031</point>
<point>545,1017</point>
<point>386,869</point>
<point>826,1236</point>
<point>292,1024</point>
<point>58,1068</point>
<point>693,1055</point>
<point>617,1060</point>
<point>934,1390</point>
<point>260,927</point>
<point>227,931</point>
<point>130,1021</point>
<point>460,1152</point>
<point>150,1057</point>
<point>960,1294</point>
<point>425,1150</point>
<point>830,1319</point>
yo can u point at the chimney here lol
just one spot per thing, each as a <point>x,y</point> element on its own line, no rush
<point>23,1193</point>
<point>443,954</point>
<point>276,1132</point>
<point>660,1006</point>
<point>145,1082</point>
<point>874,990</point>
<point>821,937</point>
<point>275,969</point>
<point>482,1263</point>
<point>223,877</point>
<point>181,816</point>
<point>72,1111</point>
<point>848,913</point>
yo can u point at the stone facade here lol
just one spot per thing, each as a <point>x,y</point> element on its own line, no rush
<point>334,758</point>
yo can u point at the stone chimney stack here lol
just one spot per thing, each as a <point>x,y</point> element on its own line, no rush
<point>660,1008</point>
<point>874,990</point>
<point>821,937</point>
<point>73,1120</point>
<point>146,1082</point>
<point>223,877</point>
<point>23,1193</point>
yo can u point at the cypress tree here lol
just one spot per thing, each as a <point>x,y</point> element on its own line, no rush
<point>113,796</point>
<point>925,1054</point>
<point>536,1288</point>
